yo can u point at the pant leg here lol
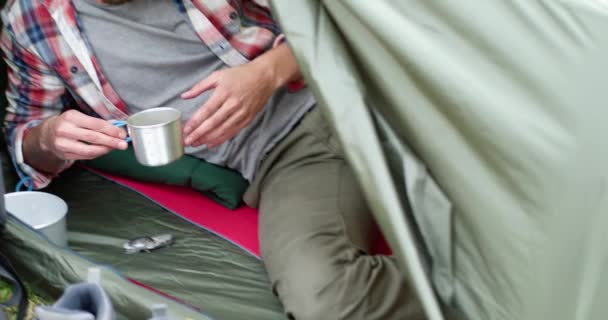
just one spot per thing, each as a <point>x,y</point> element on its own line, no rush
<point>315,235</point>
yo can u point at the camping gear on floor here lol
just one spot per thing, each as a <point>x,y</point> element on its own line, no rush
<point>200,276</point>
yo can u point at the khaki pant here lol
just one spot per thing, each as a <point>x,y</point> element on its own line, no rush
<point>315,231</point>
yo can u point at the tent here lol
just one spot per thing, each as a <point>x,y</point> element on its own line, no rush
<point>476,130</point>
<point>503,103</point>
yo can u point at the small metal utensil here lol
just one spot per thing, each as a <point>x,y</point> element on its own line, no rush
<point>147,243</point>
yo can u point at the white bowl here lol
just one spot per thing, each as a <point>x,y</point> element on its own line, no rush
<point>42,211</point>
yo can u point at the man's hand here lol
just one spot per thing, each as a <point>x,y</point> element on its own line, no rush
<point>76,136</point>
<point>240,93</point>
<point>70,136</point>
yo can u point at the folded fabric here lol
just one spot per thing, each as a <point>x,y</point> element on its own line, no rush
<point>222,185</point>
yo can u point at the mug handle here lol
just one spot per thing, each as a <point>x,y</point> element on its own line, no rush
<point>22,182</point>
<point>121,124</point>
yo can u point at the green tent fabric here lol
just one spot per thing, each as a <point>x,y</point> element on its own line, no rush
<point>211,277</point>
<point>222,185</point>
<point>482,125</point>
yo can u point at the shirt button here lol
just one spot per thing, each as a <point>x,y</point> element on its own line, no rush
<point>233,15</point>
<point>74,69</point>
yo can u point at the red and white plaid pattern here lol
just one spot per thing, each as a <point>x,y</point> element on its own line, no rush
<point>51,68</point>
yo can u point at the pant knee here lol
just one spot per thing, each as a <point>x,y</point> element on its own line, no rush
<point>313,286</point>
<point>349,288</point>
<point>306,302</point>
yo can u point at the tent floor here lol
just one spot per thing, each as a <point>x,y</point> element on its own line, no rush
<point>201,269</point>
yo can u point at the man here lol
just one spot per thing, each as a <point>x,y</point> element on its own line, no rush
<point>73,65</point>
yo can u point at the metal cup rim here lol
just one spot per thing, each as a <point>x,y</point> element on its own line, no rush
<point>40,226</point>
<point>177,117</point>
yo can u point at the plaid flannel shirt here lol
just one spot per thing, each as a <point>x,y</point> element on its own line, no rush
<point>51,67</point>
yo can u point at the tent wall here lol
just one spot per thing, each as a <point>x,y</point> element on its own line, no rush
<point>504,103</point>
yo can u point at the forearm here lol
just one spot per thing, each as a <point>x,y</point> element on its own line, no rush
<point>279,65</point>
<point>36,155</point>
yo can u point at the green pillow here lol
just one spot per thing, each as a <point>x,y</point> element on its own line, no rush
<point>222,185</point>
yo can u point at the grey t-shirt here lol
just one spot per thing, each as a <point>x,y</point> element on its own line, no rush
<point>150,54</point>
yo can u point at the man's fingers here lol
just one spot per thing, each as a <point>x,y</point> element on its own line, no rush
<point>212,123</point>
<point>204,113</point>
<point>226,134</point>
<point>224,131</point>
<point>223,138</point>
<point>76,150</point>
<point>84,121</point>
<point>92,137</point>
<point>209,125</point>
<point>229,128</point>
<point>201,86</point>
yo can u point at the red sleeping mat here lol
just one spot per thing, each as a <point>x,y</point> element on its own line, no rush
<point>239,226</point>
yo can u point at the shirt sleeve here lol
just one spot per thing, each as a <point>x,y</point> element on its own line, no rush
<point>34,93</point>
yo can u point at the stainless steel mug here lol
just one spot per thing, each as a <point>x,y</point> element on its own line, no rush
<point>156,135</point>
